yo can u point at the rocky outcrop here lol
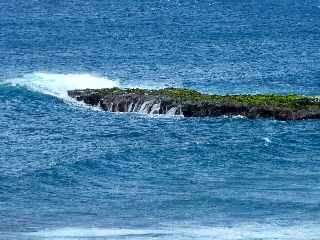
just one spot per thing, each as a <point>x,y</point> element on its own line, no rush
<point>189,103</point>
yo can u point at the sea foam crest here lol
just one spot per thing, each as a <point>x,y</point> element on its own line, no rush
<point>58,84</point>
<point>241,232</point>
<point>76,233</point>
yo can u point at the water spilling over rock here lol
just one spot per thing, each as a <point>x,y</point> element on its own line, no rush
<point>189,103</point>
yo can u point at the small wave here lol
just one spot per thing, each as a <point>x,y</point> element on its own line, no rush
<point>239,117</point>
<point>234,116</point>
<point>58,84</point>
<point>267,140</point>
<point>241,232</point>
<point>66,233</point>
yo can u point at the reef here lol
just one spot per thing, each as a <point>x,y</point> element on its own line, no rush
<point>190,103</point>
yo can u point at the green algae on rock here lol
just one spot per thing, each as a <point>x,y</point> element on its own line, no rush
<point>190,103</point>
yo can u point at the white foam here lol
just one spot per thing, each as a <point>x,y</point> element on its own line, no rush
<point>172,111</point>
<point>93,232</point>
<point>253,232</point>
<point>267,140</point>
<point>146,106</point>
<point>238,117</point>
<point>240,232</point>
<point>58,84</point>
<point>155,109</point>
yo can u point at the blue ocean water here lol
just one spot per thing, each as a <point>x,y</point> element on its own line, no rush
<point>68,171</point>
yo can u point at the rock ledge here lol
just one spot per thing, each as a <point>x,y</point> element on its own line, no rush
<point>190,103</point>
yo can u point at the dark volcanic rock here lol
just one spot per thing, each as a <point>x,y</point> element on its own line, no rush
<point>190,103</point>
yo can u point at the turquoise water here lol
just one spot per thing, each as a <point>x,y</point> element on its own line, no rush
<point>68,171</point>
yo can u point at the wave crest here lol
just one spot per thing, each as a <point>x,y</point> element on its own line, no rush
<point>58,84</point>
<point>242,232</point>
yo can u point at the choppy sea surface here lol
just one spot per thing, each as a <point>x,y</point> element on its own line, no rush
<point>68,171</point>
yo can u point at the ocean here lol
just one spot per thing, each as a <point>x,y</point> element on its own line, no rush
<point>69,171</point>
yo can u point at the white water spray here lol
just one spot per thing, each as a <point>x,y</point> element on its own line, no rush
<point>172,111</point>
<point>240,232</point>
<point>58,84</point>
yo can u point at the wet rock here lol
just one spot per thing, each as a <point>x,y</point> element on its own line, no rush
<point>189,103</point>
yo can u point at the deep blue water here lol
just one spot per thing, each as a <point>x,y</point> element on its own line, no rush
<point>72,172</point>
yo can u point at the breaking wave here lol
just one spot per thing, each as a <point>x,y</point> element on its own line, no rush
<point>58,84</point>
<point>242,232</point>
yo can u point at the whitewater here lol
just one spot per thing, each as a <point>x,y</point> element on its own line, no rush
<point>185,232</point>
<point>73,172</point>
<point>58,84</point>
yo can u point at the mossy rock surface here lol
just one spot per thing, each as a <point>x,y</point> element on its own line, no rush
<point>192,103</point>
<point>182,94</point>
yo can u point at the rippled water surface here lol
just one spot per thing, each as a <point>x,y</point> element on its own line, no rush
<point>68,171</point>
